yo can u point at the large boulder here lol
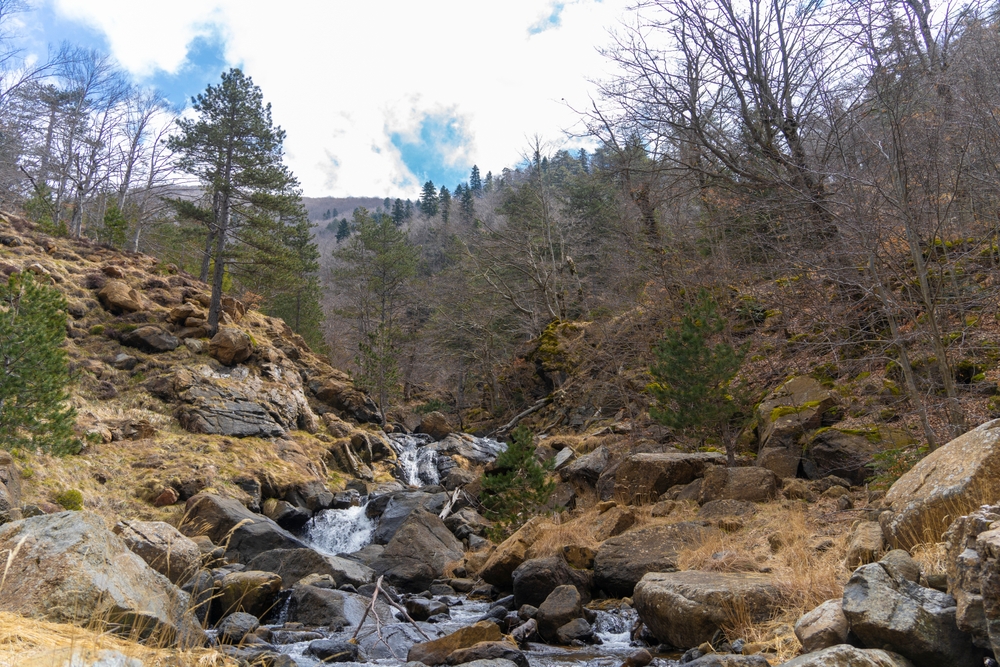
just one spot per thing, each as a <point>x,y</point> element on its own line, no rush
<point>685,609</point>
<point>151,338</point>
<point>845,655</point>
<point>397,510</point>
<point>318,606</point>
<point>535,579</point>
<point>226,410</point>
<point>561,606</point>
<point>296,564</point>
<point>163,547</point>
<point>969,564</point>
<point>341,394</point>
<point>784,416</point>
<point>251,591</point>
<point>70,568</point>
<point>624,560</point>
<point>584,472</point>
<point>749,484</point>
<point>509,555</point>
<point>226,522</point>
<point>899,615</point>
<point>847,453</point>
<point>953,479</point>
<point>435,425</point>
<point>117,297</point>
<point>436,652</point>
<point>418,553</point>
<point>642,478</point>
<point>230,346</point>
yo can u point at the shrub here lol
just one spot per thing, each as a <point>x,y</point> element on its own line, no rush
<point>517,486</point>
<point>70,499</point>
<point>33,409</point>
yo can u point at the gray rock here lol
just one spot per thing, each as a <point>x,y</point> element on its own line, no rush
<point>285,514</point>
<point>418,553</point>
<point>747,484</point>
<point>236,626</point>
<point>218,518</point>
<point>488,652</point>
<point>898,615</point>
<point>560,607</point>
<point>252,591</point>
<point>643,478</point>
<point>535,579</point>
<point>865,545</point>
<point>294,564</point>
<point>822,627</point>
<point>622,561</point>
<point>587,469</point>
<point>70,568</point>
<point>727,660</point>
<point>163,547</point>
<point>314,606</point>
<point>577,630</point>
<point>328,650</point>
<point>849,656</point>
<point>399,506</point>
<point>151,339</point>
<point>421,609</point>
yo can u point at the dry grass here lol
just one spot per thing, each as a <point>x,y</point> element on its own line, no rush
<point>26,639</point>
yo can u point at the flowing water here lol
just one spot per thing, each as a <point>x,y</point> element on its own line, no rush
<point>416,462</point>
<point>333,532</point>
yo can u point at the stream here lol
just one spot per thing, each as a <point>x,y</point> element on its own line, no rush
<point>345,531</point>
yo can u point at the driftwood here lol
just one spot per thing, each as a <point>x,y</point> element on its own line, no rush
<point>451,503</point>
<point>378,622</point>
<point>538,405</point>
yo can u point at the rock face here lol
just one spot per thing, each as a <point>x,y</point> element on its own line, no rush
<point>339,393</point>
<point>436,652</point>
<point>418,553</point>
<point>902,616</point>
<point>163,547</point>
<point>151,339</point>
<point>849,656</point>
<point>684,609</point>
<point>622,561</point>
<point>784,416</point>
<point>70,568</point>
<point>950,481</point>
<point>216,409</point>
<point>296,564</point>
<point>822,627</point>
<point>970,565</point>
<point>642,478</point>
<point>230,346</point>
<point>535,579</point>
<point>216,517</point>
<point>749,484</point>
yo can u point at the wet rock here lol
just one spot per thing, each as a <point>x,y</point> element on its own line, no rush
<point>328,650</point>
<point>490,650</point>
<point>163,547</point>
<point>217,517</point>
<point>535,579</point>
<point>560,607</point>
<point>685,609</point>
<point>72,569</point>
<point>922,502</point>
<point>436,652</point>
<point>397,509</point>
<point>577,630</point>
<point>822,627</point>
<point>526,632</point>
<point>312,495</point>
<point>622,561</point>
<point>236,626</point>
<point>420,609</point>
<point>151,339</point>
<point>643,478</point>
<point>418,553</point>
<point>285,514</point>
<point>918,623</point>
<point>295,564</point>
<point>849,656</point>
<point>747,484</point>
<point>230,346</point>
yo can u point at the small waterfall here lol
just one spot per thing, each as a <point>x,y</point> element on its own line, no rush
<point>333,532</point>
<point>416,462</point>
<point>614,626</point>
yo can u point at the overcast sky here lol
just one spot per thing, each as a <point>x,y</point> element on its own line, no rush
<point>378,96</point>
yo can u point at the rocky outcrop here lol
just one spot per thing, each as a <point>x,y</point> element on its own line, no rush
<point>70,568</point>
<point>952,480</point>
<point>418,553</point>
<point>849,656</point>
<point>901,616</point>
<point>623,561</point>
<point>642,478</point>
<point>227,522</point>
<point>784,416</point>
<point>339,393</point>
<point>749,484</point>
<point>296,564</point>
<point>969,564</point>
<point>535,579</point>
<point>685,609</point>
<point>163,547</point>
<point>436,652</point>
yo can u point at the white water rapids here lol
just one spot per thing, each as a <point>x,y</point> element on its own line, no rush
<point>333,532</point>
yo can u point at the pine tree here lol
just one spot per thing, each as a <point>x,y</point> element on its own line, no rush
<point>488,185</point>
<point>408,209</point>
<point>516,487</point>
<point>475,181</point>
<point>429,200</point>
<point>33,395</point>
<point>235,150</point>
<point>343,230</point>
<point>444,201</point>
<point>398,212</point>
<point>693,380</point>
<point>468,205</point>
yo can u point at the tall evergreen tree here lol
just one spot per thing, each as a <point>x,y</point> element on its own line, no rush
<point>429,200</point>
<point>408,209</point>
<point>468,205</point>
<point>444,201</point>
<point>235,150</point>
<point>476,181</point>
<point>692,379</point>
<point>34,413</point>
<point>398,212</point>
<point>488,185</point>
<point>343,230</point>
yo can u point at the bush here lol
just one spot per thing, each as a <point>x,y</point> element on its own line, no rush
<point>70,499</point>
<point>33,409</point>
<point>517,486</point>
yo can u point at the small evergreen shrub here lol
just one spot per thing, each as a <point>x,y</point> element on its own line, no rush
<point>517,487</point>
<point>70,499</point>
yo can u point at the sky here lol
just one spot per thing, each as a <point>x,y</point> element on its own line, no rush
<point>376,97</point>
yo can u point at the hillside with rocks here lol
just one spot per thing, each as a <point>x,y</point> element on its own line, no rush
<point>237,501</point>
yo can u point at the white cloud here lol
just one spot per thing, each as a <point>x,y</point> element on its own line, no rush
<point>342,76</point>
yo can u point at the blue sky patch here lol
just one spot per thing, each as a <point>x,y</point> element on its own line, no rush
<point>553,20</point>
<point>47,31</point>
<point>427,154</point>
<point>205,63</point>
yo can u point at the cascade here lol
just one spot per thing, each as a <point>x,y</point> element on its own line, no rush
<point>416,463</point>
<point>333,532</point>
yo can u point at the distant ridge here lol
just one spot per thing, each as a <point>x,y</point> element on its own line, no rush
<point>317,206</point>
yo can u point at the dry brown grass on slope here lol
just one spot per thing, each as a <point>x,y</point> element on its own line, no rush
<point>41,643</point>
